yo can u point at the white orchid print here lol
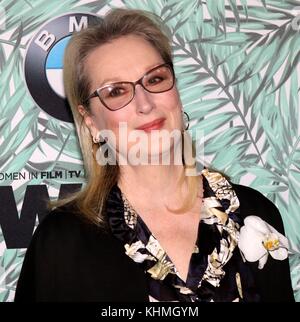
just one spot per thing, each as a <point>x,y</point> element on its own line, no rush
<point>133,252</point>
<point>258,239</point>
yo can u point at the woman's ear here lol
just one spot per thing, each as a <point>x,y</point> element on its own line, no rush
<point>88,120</point>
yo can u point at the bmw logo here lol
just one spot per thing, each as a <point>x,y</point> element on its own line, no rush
<point>43,64</point>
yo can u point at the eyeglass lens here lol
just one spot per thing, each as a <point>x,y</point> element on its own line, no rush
<point>119,94</point>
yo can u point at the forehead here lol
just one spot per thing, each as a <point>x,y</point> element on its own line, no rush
<point>124,58</point>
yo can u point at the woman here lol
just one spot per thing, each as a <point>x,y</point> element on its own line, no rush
<point>143,230</point>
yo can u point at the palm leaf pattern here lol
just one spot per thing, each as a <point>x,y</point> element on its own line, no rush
<point>237,67</point>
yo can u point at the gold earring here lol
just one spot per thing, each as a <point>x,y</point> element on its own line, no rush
<point>96,138</point>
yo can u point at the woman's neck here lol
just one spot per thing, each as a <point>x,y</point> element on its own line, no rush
<point>161,183</point>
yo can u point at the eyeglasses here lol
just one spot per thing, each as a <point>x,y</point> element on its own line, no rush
<point>117,95</point>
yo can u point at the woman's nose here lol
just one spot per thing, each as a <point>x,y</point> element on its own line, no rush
<point>143,100</point>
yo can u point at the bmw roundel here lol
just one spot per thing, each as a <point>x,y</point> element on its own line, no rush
<point>43,66</point>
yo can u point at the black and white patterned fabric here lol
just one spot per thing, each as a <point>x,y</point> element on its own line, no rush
<point>217,270</point>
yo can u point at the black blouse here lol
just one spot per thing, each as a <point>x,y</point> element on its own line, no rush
<point>217,271</point>
<point>72,260</point>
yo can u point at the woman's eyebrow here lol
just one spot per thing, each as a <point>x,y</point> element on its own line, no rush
<point>108,81</point>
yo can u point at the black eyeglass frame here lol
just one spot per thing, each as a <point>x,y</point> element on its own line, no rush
<point>133,84</point>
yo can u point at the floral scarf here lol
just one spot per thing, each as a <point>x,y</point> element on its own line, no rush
<point>217,271</point>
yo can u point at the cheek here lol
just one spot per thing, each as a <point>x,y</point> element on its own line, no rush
<point>171,100</point>
<point>105,119</point>
<point>171,104</point>
<point>110,121</point>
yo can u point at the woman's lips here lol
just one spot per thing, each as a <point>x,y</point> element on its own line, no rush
<point>154,125</point>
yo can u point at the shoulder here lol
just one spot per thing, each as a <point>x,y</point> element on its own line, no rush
<point>251,198</point>
<point>253,202</point>
<point>249,195</point>
<point>273,281</point>
<point>70,259</point>
<point>67,214</point>
<point>64,219</point>
<point>66,231</point>
<point>247,201</point>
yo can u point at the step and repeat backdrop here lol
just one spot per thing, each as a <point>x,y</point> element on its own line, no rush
<point>237,65</point>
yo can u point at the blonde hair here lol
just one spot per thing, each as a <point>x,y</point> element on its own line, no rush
<point>90,201</point>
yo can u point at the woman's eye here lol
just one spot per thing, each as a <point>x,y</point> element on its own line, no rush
<point>117,91</point>
<point>155,80</point>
